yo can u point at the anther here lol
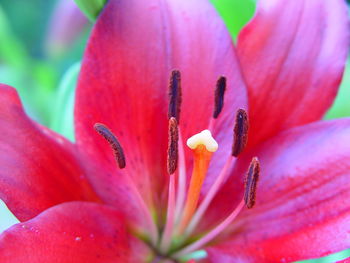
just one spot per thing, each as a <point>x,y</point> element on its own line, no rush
<point>251,181</point>
<point>172,146</point>
<point>175,95</point>
<point>240,132</point>
<point>113,142</point>
<point>219,96</point>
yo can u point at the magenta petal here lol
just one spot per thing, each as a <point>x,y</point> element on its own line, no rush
<point>78,232</point>
<point>293,55</point>
<point>124,83</point>
<point>303,197</point>
<point>39,168</point>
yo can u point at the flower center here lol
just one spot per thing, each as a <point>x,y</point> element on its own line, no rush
<point>175,241</point>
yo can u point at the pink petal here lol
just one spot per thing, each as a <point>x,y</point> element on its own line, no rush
<point>72,232</point>
<point>39,168</point>
<point>293,55</point>
<point>124,83</point>
<point>303,197</point>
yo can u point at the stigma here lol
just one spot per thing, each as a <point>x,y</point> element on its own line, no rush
<point>203,138</point>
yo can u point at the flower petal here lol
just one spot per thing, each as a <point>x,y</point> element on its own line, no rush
<point>303,197</point>
<point>39,168</point>
<point>293,55</point>
<point>125,74</point>
<point>346,260</point>
<point>72,232</point>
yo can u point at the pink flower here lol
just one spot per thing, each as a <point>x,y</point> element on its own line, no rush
<point>76,206</point>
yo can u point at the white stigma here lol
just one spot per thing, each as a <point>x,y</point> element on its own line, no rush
<point>204,138</point>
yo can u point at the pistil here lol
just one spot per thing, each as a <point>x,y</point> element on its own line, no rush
<point>203,146</point>
<point>240,140</point>
<point>209,197</point>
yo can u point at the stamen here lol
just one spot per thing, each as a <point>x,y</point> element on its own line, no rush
<point>106,133</point>
<point>219,96</point>
<point>173,150</point>
<point>200,243</point>
<point>240,132</point>
<point>119,155</point>
<point>203,146</point>
<point>171,165</point>
<point>181,191</point>
<point>248,200</point>
<point>175,95</point>
<point>251,181</point>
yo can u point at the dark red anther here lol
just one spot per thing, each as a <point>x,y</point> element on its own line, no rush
<point>240,132</point>
<point>251,181</point>
<point>219,96</point>
<point>175,95</point>
<point>172,146</point>
<point>106,133</point>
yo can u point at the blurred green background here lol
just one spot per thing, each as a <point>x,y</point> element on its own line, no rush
<point>42,43</point>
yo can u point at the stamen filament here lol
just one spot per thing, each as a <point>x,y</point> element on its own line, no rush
<point>209,196</point>
<point>153,231</point>
<point>211,235</point>
<point>181,187</point>
<point>211,124</point>
<point>169,226</point>
<point>201,162</point>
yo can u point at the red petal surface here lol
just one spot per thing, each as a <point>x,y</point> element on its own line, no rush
<point>72,232</point>
<point>293,55</point>
<point>39,168</point>
<point>303,197</point>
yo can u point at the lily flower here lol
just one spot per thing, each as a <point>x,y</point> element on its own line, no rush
<point>161,170</point>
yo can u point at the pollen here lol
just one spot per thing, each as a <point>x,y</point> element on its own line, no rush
<point>203,138</point>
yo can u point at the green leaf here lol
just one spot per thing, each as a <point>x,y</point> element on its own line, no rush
<point>11,50</point>
<point>330,258</point>
<point>341,107</point>
<point>63,118</point>
<point>91,8</point>
<point>235,13</point>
